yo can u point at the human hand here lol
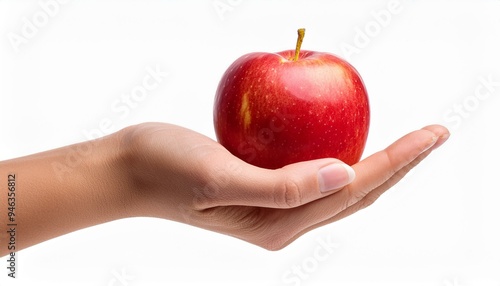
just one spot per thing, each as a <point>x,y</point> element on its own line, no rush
<point>178,174</point>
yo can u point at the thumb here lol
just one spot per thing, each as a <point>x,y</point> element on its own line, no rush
<point>293,185</point>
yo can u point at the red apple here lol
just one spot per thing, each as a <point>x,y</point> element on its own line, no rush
<point>274,109</point>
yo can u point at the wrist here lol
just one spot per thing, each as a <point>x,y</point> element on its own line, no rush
<point>113,161</point>
<point>128,163</point>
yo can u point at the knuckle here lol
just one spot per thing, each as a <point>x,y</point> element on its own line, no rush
<point>347,201</point>
<point>368,200</point>
<point>354,197</point>
<point>288,194</point>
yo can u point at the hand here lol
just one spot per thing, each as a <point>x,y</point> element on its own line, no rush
<point>177,174</point>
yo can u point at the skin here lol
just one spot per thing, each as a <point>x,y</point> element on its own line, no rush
<point>166,171</point>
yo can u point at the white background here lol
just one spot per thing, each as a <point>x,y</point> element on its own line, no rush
<point>422,63</point>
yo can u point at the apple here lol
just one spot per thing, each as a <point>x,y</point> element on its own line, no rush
<point>274,109</point>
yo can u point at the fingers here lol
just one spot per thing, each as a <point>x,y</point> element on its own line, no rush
<point>292,198</point>
<point>242,184</point>
<point>372,196</point>
<point>375,175</point>
<point>441,132</point>
<point>442,135</point>
<point>381,166</point>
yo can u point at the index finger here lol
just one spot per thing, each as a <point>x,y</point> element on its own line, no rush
<point>371,172</point>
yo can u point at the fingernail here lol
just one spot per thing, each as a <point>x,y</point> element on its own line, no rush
<point>335,176</point>
<point>430,144</point>
<point>443,138</point>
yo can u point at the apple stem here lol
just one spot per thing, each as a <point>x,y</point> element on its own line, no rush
<point>300,38</point>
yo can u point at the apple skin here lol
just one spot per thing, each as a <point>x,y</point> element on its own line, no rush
<point>271,111</point>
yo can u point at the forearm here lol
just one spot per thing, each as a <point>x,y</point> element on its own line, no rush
<point>62,190</point>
